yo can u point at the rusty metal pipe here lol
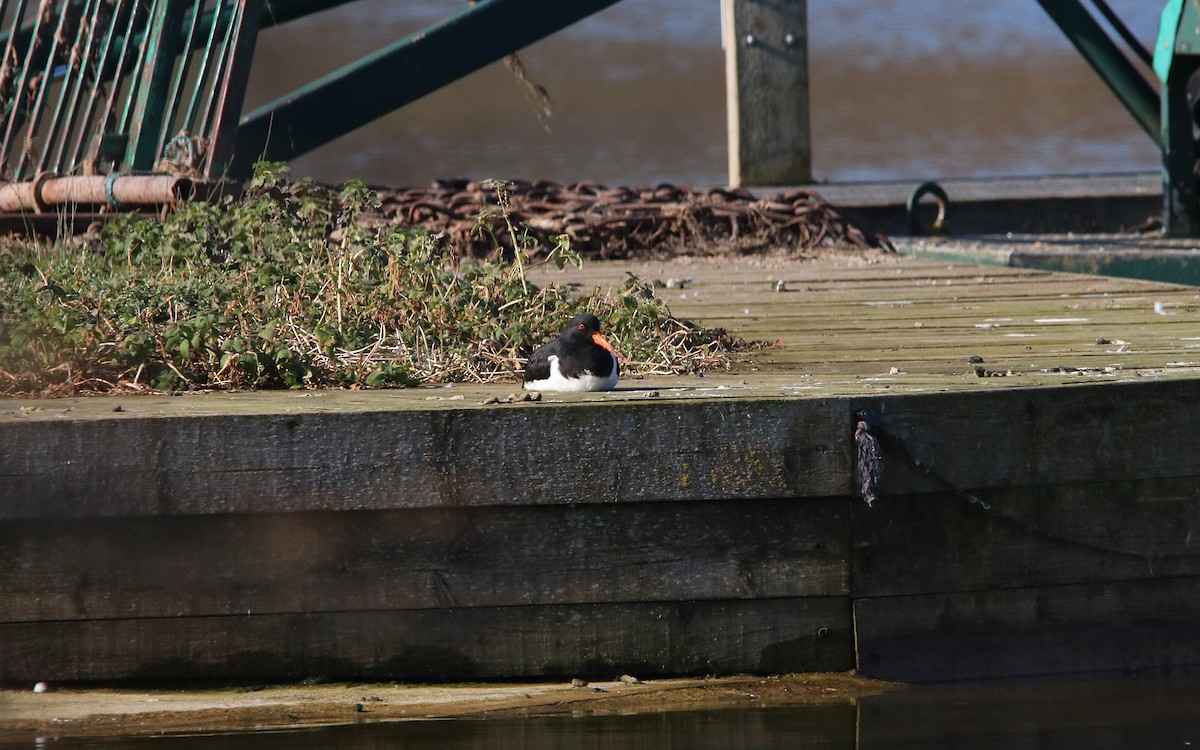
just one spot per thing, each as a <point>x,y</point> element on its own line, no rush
<point>115,191</point>
<point>18,196</point>
<point>23,196</point>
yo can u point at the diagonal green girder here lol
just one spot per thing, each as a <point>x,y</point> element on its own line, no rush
<point>399,74</point>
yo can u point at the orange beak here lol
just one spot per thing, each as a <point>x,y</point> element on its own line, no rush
<point>604,342</point>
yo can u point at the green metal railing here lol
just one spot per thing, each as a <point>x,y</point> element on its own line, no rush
<point>96,87</point>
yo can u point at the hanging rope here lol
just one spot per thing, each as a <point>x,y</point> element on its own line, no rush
<point>869,467</point>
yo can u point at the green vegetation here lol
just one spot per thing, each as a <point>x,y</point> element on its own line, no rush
<point>286,288</point>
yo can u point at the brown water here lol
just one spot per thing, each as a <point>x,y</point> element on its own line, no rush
<point>1095,713</point>
<point>901,89</point>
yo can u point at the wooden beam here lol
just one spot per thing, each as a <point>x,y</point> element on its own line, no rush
<point>413,458</point>
<point>1039,437</point>
<point>767,105</point>
<point>1025,537</point>
<point>195,566</point>
<point>124,465</point>
<point>766,636</point>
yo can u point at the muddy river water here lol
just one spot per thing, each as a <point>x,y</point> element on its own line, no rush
<point>900,89</point>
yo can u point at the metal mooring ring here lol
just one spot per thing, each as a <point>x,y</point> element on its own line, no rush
<point>943,202</point>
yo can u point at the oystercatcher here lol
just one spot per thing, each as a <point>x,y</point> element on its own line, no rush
<point>580,359</point>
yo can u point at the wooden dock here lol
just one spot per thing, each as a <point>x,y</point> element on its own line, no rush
<point>1036,511</point>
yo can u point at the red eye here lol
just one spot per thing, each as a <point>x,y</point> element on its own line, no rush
<point>582,326</point>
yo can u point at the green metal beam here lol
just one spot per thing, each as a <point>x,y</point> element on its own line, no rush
<point>1130,86</point>
<point>150,106</point>
<point>399,74</point>
<point>222,122</point>
<point>1176,61</point>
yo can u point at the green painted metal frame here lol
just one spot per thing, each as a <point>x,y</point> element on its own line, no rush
<point>1167,116</point>
<point>148,71</point>
<point>398,74</point>
<point>150,103</point>
<point>482,33</point>
<point>1176,61</point>
<point>143,51</point>
<point>274,13</point>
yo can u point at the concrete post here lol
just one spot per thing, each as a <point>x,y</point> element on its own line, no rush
<point>766,74</point>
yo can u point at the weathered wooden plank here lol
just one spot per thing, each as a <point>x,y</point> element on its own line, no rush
<point>755,446</point>
<point>1035,437</point>
<point>901,280</point>
<point>957,361</point>
<point>849,278</point>
<point>711,637</point>
<point>421,559</point>
<point>1045,630</point>
<point>1001,313</point>
<point>584,453</point>
<point>720,291</point>
<point>849,323</point>
<point>912,328</point>
<point>766,70</point>
<point>1027,536</point>
<point>1121,346</point>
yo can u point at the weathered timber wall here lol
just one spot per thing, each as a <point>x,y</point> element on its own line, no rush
<point>203,566</point>
<point>1059,531</point>
<point>446,644</point>
<point>584,453</point>
<point>659,537</point>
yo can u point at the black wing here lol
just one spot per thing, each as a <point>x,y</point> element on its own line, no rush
<point>538,366</point>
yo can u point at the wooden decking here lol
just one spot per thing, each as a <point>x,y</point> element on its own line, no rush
<point>1036,512</point>
<point>847,325</point>
<point>850,326</point>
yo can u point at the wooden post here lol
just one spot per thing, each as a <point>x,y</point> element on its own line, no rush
<point>766,74</point>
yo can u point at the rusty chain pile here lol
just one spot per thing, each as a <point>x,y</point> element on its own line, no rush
<point>622,222</point>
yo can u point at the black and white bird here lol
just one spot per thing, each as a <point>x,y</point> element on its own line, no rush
<point>580,359</point>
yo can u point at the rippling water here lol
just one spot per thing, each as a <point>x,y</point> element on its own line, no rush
<point>900,89</point>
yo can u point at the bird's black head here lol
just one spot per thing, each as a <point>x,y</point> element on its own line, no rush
<point>582,326</point>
